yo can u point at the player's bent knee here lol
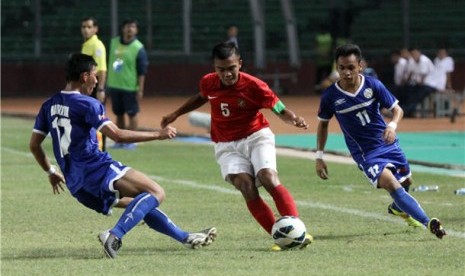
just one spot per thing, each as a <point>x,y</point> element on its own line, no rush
<point>268,178</point>
<point>160,195</point>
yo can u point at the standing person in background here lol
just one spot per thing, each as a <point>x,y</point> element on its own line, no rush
<point>97,181</point>
<point>323,52</point>
<point>400,68</point>
<point>355,100</point>
<point>231,35</point>
<point>400,72</point>
<point>94,47</point>
<point>367,70</point>
<point>244,143</point>
<point>128,64</point>
<point>400,59</point>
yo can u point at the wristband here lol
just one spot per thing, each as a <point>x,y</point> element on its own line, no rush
<point>392,125</point>
<point>101,90</point>
<point>52,170</point>
<point>319,154</point>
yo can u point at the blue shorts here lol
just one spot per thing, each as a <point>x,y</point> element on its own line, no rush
<point>98,193</point>
<point>394,160</point>
<point>124,102</point>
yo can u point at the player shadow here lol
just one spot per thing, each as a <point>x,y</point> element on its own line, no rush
<point>352,237</point>
<point>54,253</point>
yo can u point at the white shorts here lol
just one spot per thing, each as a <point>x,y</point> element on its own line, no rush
<point>248,155</point>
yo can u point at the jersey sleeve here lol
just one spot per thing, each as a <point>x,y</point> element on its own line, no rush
<point>96,115</point>
<point>41,123</point>
<point>385,97</point>
<point>325,110</point>
<point>265,96</point>
<point>206,83</point>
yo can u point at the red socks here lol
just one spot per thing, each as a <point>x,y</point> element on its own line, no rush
<point>262,213</point>
<point>284,201</point>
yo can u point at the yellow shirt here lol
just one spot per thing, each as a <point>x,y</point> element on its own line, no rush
<point>95,48</point>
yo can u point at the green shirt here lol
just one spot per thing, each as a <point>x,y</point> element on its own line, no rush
<point>122,71</point>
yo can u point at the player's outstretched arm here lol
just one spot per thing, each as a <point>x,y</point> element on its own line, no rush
<point>55,178</point>
<point>129,136</point>
<point>322,136</point>
<point>192,103</point>
<point>289,117</point>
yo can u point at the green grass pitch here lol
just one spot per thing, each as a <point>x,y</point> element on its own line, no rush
<point>46,234</point>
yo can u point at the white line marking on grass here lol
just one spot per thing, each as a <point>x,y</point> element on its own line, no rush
<point>301,203</point>
<point>18,152</point>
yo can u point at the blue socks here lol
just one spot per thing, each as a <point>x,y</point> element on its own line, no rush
<point>409,205</point>
<point>144,206</point>
<point>139,207</point>
<point>160,222</point>
<point>394,205</point>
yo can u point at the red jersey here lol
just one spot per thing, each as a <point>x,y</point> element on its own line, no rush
<point>235,109</point>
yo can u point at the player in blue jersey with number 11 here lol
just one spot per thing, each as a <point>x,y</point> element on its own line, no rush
<point>72,117</point>
<point>356,100</point>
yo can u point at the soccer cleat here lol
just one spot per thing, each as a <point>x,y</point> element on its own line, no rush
<point>308,240</point>
<point>117,146</point>
<point>410,221</point>
<point>435,226</point>
<point>275,247</point>
<point>211,235</point>
<point>130,146</point>
<point>111,243</point>
<point>200,239</point>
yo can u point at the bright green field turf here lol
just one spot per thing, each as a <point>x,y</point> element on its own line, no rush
<point>46,234</point>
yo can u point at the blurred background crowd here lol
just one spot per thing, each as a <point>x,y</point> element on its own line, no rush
<point>415,47</point>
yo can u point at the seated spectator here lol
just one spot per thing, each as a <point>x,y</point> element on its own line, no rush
<point>440,77</point>
<point>419,66</point>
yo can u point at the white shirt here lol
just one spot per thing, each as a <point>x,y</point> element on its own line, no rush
<point>438,78</point>
<point>400,71</point>
<point>420,69</point>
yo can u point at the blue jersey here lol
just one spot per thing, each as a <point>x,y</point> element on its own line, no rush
<point>359,116</point>
<point>72,120</point>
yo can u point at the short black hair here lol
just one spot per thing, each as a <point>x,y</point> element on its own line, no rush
<point>77,64</point>
<point>347,50</point>
<point>90,18</point>
<point>130,21</point>
<point>395,52</point>
<point>225,50</point>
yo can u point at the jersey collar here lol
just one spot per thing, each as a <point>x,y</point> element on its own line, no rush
<point>362,83</point>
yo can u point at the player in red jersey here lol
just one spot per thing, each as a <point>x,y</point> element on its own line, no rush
<point>244,144</point>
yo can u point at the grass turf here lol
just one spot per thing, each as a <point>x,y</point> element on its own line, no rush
<point>46,234</point>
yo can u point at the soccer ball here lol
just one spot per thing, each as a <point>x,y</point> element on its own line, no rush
<point>288,232</point>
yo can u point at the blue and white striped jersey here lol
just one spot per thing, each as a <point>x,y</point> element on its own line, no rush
<point>359,116</point>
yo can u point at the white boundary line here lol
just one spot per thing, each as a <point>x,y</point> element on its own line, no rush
<point>300,203</point>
